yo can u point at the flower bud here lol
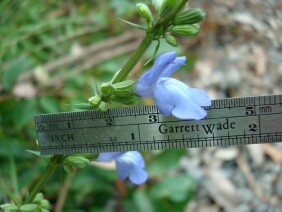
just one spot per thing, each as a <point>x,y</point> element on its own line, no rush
<point>168,8</point>
<point>127,100</point>
<point>94,100</point>
<point>124,92</point>
<point>171,40</point>
<point>185,30</point>
<point>144,11</point>
<point>76,161</point>
<point>38,198</point>
<point>192,16</point>
<point>106,89</point>
<point>158,5</point>
<point>45,204</point>
<point>102,106</point>
<point>9,207</point>
<point>29,208</point>
<point>124,85</point>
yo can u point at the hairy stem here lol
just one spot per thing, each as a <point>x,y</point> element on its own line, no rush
<point>123,73</point>
<point>54,162</point>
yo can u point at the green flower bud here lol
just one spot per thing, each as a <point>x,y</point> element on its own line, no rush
<point>168,8</point>
<point>192,16</point>
<point>102,106</point>
<point>107,89</point>
<point>124,85</point>
<point>45,204</point>
<point>38,198</point>
<point>29,208</point>
<point>76,161</point>
<point>185,30</point>
<point>124,92</point>
<point>94,100</point>
<point>130,100</point>
<point>9,207</point>
<point>158,5</point>
<point>144,11</point>
<point>171,40</point>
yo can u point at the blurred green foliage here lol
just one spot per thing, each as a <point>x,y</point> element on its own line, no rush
<point>36,33</point>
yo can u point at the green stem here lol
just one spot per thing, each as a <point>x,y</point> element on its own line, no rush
<point>54,162</point>
<point>123,73</point>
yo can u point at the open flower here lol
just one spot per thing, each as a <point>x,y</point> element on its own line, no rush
<point>172,96</point>
<point>128,164</point>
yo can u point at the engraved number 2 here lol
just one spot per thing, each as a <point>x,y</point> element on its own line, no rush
<point>252,127</point>
<point>109,122</point>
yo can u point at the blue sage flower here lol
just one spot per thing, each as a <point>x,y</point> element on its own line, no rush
<point>172,96</point>
<point>128,164</point>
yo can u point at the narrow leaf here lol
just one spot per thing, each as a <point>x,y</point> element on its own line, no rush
<point>134,25</point>
<point>33,152</point>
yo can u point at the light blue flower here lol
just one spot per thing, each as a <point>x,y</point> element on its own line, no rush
<point>172,96</point>
<point>128,164</point>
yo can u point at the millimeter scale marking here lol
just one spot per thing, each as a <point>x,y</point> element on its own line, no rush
<point>231,121</point>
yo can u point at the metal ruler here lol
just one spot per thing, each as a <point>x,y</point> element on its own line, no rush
<point>232,121</point>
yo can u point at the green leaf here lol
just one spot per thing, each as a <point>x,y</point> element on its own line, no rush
<point>164,161</point>
<point>23,112</point>
<point>176,188</point>
<point>142,201</point>
<point>49,104</point>
<point>13,70</point>
<point>134,25</point>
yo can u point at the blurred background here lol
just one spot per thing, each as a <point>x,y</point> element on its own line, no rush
<point>51,52</point>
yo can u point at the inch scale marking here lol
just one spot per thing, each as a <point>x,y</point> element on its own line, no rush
<point>232,121</point>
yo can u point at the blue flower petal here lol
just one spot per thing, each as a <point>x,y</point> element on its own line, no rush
<point>174,97</point>
<point>130,163</point>
<point>145,84</point>
<point>173,66</point>
<point>163,99</point>
<point>138,176</point>
<point>124,167</point>
<point>187,109</point>
<point>108,156</point>
<point>161,62</point>
<point>200,97</point>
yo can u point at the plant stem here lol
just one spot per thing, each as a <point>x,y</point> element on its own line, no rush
<point>54,162</point>
<point>122,74</point>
